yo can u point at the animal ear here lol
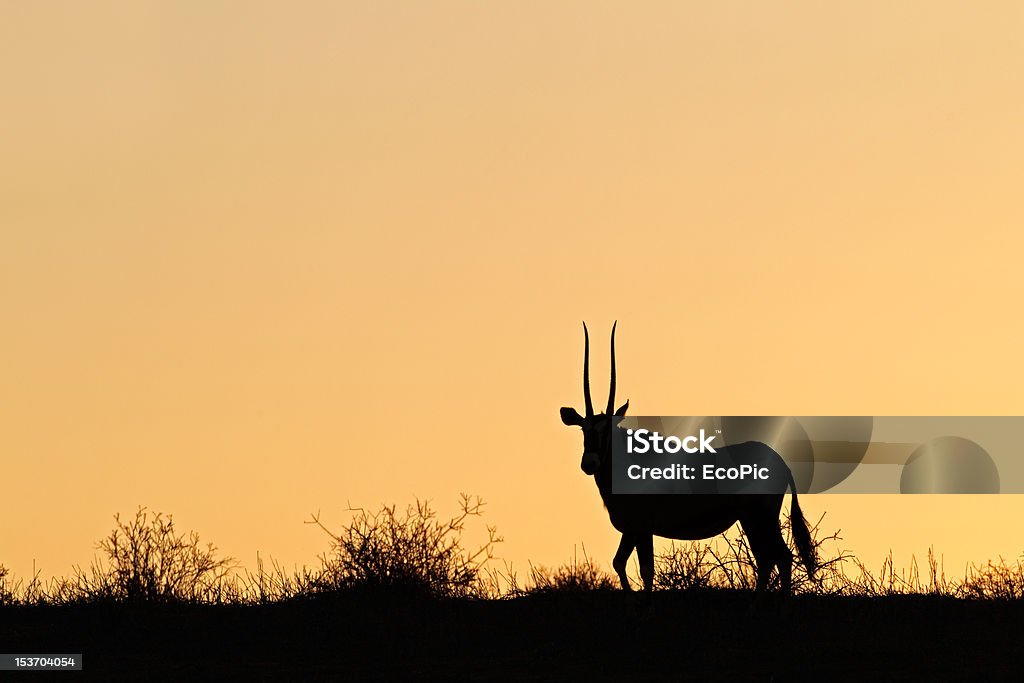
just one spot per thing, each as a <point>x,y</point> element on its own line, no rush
<point>622,409</point>
<point>571,418</point>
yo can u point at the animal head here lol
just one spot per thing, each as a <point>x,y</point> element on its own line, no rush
<point>597,428</point>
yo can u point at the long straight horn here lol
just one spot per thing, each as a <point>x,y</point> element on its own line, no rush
<point>611,389</point>
<point>586,371</point>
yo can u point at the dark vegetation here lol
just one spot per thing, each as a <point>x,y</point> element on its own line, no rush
<point>398,594</point>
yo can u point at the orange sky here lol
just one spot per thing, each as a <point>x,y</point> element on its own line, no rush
<point>241,243</point>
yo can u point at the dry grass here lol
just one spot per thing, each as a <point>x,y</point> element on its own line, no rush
<point>414,552</point>
<point>576,576</point>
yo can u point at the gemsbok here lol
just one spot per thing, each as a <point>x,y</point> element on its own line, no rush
<point>641,517</point>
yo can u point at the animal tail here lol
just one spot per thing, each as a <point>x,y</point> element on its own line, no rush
<point>801,534</point>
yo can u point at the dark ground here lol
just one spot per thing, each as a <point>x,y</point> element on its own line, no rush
<point>600,635</point>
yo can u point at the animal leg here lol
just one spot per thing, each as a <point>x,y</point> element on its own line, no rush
<point>784,561</point>
<point>645,553</point>
<point>621,559</point>
<point>764,553</point>
<point>764,570</point>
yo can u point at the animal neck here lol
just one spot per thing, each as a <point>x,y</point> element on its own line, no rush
<point>603,476</point>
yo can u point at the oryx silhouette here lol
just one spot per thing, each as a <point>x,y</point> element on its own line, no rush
<point>688,516</point>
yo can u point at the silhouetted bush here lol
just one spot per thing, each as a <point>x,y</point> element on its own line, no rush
<point>727,561</point>
<point>998,581</point>
<point>148,560</point>
<point>406,552</point>
<point>412,552</point>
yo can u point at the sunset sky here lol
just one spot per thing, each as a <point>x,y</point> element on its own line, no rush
<point>263,259</point>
